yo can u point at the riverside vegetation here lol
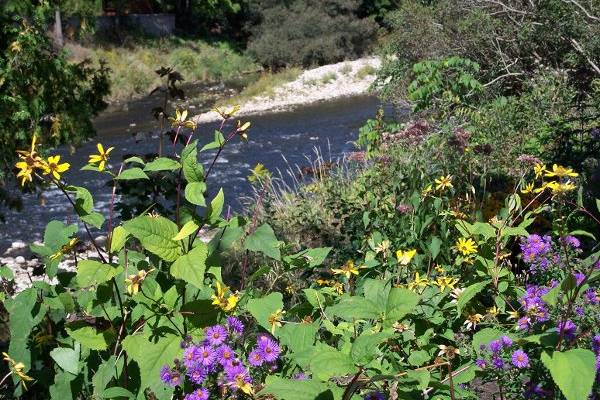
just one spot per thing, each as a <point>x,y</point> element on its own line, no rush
<point>455,256</point>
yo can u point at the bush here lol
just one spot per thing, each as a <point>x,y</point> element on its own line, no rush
<point>308,32</point>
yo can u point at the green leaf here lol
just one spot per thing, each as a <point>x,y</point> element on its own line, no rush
<point>218,141</point>
<point>264,240</point>
<point>485,336</point>
<point>365,347</point>
<point>422,377</point>
<point>114,392</point>
<point>132,173</point>
<point>582,233</point>
<point>192,171</point>
<point>308,258</point>
<point>191,266</point>
<point>118,239</point>
<point>162,164</point>
<point>58,234</point>
<point>292,389</point>
<point>92,273</point>
<point>263,307</point>
<point>67,359</point>
<point>134,159</point>
<point>90,337</point>
<point>215,208</point>
<point>330,363</point>
<point>155,235</point>
<point>469,293</point>
<point>352,308</point>
<point>151,354</point>
<point>194,193</point>
<point>434,247</point>
<point>298,337</point>
<point>6,273</point>
<point>400,302</point>
<point>573,371</point>
<point>418,357</point>
<point>94,219</point>
<point>84,206</point>
<point>186,230</point>
<point>105,373</point>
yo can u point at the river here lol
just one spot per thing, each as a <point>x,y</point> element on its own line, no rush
<point>280,141</point>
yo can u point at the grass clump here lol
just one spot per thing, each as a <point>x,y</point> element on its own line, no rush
<point>266,84</point>
<point>365,71</point>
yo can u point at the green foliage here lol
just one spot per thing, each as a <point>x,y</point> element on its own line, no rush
<point>307,32</point>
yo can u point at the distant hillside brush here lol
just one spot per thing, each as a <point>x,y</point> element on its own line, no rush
<point>310,32</point>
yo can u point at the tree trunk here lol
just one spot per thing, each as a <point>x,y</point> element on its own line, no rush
<point>58,34</point>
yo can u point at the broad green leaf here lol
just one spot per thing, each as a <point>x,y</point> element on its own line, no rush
<point>422,377</point>
<point>117,392</point>
<point>263,240</point>
<point>218,141</point>
<point>91,337</point>
<point>308,258</point>
<point>118,238</point>
<point>104,374</point>
<point>215,208</point>
<point>192,171</point>
<point>186,230</point>
<point>377,291</point>
<point>58,234</point>
<point>155,234</point>
<point>66,358</point>
<point>354,307</point>
<point>582,233</point>
<point>162,164</point>
<point>132,173</point>
<point>365,347</point>
<point>263,307</point>
<point>292,389</point>
<point>194,193</point>
<point>418,357</point>
<point>134,159</point>
<point>469,293</point>
<point>331,363</point>
<point>434,247</point>
<point>573,371</point>
<point>401,302</point>
<point>6,273</point>
<point>298,337</point>
<point>151,354</point>
<point>191,266</point>
<point>94,219</point>
<point>485,336</point>
<point>90,272</point>
<point>84,202</point>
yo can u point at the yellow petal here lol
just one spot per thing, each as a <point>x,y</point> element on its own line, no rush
<point>100,148</point>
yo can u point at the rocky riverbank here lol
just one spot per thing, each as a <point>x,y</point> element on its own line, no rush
<point>344,79</point>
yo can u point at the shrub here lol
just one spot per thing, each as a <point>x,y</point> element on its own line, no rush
<point>307,32</point>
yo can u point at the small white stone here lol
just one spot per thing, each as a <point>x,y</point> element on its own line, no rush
<point>20,260</point>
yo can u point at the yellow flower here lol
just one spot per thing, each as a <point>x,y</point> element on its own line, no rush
<point>561,187</point>
<point>443,182</point>
<point>539,170</point>
<point>426,190</point>
<point>275,320</point>
<point>338,287</point>
<point>513,315</point>
<point>493,311</point>
<point>444,282</point>
<point>400,327</point>
<point>527,188</point>
<point>224,302</point>
<point>466,246</point>
<point>133,282</point>
<point>418,282</point>
<point>17,369</point>
<point>181,120</point>
<point>472,321</point>
<point>449,351</point>
<point>53,166</point>
<point>30,160</point>
<point>101,158</point>
<point>242,129</point>
<point>404,257</point>
<point>347,269</point>
<point>227,113</point>
<point>323,282</point>
<point>560,172</point>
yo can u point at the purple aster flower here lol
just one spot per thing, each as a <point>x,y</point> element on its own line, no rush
<point>480,363</point>
<point>235,325</point>
<point>269,349</point>
<point>495,346</point>
<point>533,390</point>
<point>237,375</point>
<point>497,362</point>
<point>579,277</point>
<point>569,329</point>
<point>506,341</point>
<point>198,394</point>
<point>520,359</point>
<point>170,376</point>
<point>523,323</point>
<point>596,344</point>
<point>190,356</point>
<point>225,355</point>
<point>571,241</point>
<point>197,374</point>
<point>255,358</point>
<point>374,396</point>
<point>216,335</point>
<point>579,311</point>
<point>591,296</point>
<point>536,250</point>
<point>206,355</point>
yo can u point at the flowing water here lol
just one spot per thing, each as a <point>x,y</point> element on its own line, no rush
<point>279,141</point>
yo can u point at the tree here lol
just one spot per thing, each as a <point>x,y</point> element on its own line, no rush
<point>41,92</point>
